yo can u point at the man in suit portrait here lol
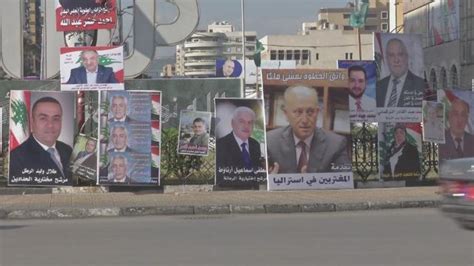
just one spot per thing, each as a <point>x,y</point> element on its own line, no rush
<point>91,72</point>
<point>118,170</point>
<point>401,88</point>
<point>358,101</point>
<point>459,143</point>
<point>200,137</point>
<point>301,147</point>
<point>42,150</point>
<point>119,139</point>
<point>402,161</point>
<point>238,149</point>
<point>87,157</point>
<point>119,108</point>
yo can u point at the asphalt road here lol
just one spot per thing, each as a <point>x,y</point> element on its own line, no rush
<point>394,237</point>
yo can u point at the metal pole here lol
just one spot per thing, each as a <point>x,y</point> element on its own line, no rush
<point>358,41</point>
<point>243,45</point>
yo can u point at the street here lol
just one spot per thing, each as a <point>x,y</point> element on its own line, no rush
<point>389,237</point>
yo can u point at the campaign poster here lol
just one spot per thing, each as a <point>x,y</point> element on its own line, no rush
<point>240,144</point>
<point>41,138</point>
<point>459,126</point>
<point>91,68</point>
<point>308,129</point>
<point>228,68</point>
<point>129,147</point>
<point>362,76</point>
<point>194,130</point>
<point>400,151</point>
<point>433,122</point>
<point>82,15</point>
<point>84,157</point>
<point>400,87</point>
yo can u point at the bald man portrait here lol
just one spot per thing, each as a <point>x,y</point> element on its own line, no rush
<point>301,147</point>
<point>402,88</point>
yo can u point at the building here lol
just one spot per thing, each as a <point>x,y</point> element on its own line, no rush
<point>338,18</point>
<point>447,28</point>
<point>168,71</point>
<point>320,44</point>
<point>196,57</point>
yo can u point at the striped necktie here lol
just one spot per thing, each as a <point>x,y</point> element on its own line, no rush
<point>392,102</point>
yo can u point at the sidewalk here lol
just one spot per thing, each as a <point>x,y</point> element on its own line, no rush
<point>46,206</point>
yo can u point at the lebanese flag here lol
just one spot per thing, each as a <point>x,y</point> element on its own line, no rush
<point>19,110</point>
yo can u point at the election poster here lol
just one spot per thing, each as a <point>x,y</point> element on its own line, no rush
<point>240,144</point>
<point>399,90</point>
<point>82,15</point>
<point>194,130</point>
<point>41,138</point>
<point>362,76</point>
<point>84,157</point>
<point>228,68</point>
<point>129,147</point>
<point>92,68</point>
<point>433,122</point>
<point>456,154</point>
<point>308,129</point>
<point>400,151</point>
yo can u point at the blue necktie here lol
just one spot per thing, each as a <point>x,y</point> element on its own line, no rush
<point>246,156</point>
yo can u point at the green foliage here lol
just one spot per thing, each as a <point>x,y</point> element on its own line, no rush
<point>174,164</point>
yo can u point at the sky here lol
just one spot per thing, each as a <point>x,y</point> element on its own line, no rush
<point>266,17</point>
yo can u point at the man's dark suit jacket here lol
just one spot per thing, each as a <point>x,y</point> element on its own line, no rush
<point>104,75</point>
<point>327,149</point>
<point>229,153</point>
<point>127,120</point>
<point>411,94</point>
<point>407,167</point>
<point>90,162</point>
<point>448,150</point>
<point>31,155</point>
<point>128,149</point>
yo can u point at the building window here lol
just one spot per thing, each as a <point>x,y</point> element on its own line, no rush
<point>348,56</point>
<point>454,76</point>
<point>384,27</point>
<point>433,80</point>
<point>317,56</point>
<point>384,15</point>
<point>370,27</point>
<point>305,54</point>
<point>346,16</point>
<point>348,28</point>
<point>372,15</point>
<point>297,55</point>
<point>273,55</point>
<point>444,78</point>
<point>281,54</point>
<point>289,54</point>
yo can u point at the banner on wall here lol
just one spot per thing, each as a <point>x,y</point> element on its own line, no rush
<point>362,76</point>
<point>41,147</point>
<point>81,15</point>
<point>308,129</point>
<point>400,88</point>
<point>92,68</point>
<point>400,151</point>
<point>130,138</point>
<point>240,144</point>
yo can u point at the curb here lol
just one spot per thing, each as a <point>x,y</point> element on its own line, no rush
<point>79,213</point>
